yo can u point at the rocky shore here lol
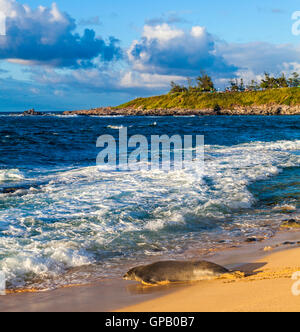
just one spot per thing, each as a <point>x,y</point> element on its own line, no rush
<point>272,109</point>
<point>32,112</point>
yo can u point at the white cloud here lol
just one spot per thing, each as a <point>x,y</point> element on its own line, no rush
<point>47,36</point>
<point>110,80</point>
<point>166,50</point>
<point>198,32</point>
<point>162,33</point>
<point>260,56</point>
<point>132,79</point>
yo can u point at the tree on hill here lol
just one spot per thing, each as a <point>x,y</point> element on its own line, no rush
<point>294,81</point>
<point>205,83</point>
<point>234,85</point>
<point>269,82</point>
<point>253,86</point>
<point>282,81</point>
<point>242,85</point>
<point>176,88</point>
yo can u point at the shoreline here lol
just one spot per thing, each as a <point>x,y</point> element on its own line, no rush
<point>120,295</point>
<point>267,286</point>
<point>265,110</point>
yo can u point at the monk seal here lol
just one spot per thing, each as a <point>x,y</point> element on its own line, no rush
<point>174,271</point>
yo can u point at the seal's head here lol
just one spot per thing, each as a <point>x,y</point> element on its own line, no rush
<point>131,274</point>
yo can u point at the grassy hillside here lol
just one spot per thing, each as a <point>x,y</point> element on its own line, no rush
<point>283,96</point>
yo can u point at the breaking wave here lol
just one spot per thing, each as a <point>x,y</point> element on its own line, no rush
<point>85,217</point>
<point>8,175</point>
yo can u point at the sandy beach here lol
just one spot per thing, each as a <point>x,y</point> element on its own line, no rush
<point>267,286</point>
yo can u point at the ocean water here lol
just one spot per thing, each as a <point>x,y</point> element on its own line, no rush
<point>64,221</point>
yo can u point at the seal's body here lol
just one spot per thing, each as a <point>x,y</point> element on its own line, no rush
<point>172,271</point>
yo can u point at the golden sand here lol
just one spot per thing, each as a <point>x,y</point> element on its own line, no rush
<point>21,291</point>
<point>265,285</point>
<point>260,283</point>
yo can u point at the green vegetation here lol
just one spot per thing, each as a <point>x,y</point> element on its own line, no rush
<point>283,96</point>
<point>271,90</point>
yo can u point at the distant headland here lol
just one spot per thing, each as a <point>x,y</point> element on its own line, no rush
<point>284,101</point>
<point>270,96</point>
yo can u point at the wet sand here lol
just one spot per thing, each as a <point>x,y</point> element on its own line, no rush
<point>266,287</point>
<point>100,297</point>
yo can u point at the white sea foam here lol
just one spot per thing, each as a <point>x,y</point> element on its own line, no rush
<point>285,208</point>
<point>10,175</point>
<point>114,127</point>
<point>82,215</point>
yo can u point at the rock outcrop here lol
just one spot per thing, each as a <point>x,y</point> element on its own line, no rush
<point>32,112</point>
<point>270,109</point>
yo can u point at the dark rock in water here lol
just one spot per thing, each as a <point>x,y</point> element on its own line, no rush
<point>291,223</point>
<point>9,190</point>
<point>251,239</point>
<point>287,243</point>
<point>21,189</point>
<point>12,190</point>
<point>32,112</point>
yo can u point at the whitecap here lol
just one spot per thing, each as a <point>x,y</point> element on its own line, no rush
<point>82,216</point>
<point>10,175</point>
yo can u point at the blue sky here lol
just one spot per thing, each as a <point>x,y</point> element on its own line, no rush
<point>71,55</point>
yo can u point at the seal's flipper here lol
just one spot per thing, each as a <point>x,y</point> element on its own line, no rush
<point>149,282</point>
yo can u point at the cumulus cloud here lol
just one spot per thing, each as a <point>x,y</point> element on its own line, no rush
<point>259,57</point>
<point>166,50</point>
<point>47,36</point>
<point>106,81</point>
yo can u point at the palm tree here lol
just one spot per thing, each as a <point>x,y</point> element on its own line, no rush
<point>205,83</point>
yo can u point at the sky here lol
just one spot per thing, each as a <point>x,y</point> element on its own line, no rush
<point>74,54</point>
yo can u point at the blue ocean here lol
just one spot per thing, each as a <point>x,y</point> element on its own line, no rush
<point>63,220</point>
